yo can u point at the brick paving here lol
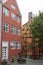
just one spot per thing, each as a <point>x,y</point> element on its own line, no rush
<point>31,62</point>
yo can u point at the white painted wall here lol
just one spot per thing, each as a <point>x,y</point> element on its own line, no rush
<point>0,26</point>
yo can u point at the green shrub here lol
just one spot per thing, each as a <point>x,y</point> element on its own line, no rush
<point>12,59</point>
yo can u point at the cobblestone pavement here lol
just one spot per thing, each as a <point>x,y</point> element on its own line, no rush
<point>32,62</point>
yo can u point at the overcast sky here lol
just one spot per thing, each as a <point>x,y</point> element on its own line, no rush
<point>27,6</point>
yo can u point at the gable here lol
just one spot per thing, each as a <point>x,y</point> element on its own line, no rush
<point>18,8</point>
<point>12,5</point>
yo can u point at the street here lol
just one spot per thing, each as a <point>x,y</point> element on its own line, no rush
<point>32,62</point>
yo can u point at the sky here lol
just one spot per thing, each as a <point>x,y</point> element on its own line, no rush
<point>27,6</point>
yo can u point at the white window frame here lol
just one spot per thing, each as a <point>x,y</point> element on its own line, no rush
<point>13,16</point>
<point>18,31</point>
<point>18,19</point>
<point>5,26</point>
<point>13,29</point>
<point>18,45</point>
<point>13,45</point>
<point>5,44</point>
<point>6,11</point>
<point>13,6</point>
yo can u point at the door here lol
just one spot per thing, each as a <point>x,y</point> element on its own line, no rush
<point>4,50</point>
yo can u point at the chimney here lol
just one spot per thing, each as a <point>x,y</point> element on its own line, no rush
<point>30,16</point>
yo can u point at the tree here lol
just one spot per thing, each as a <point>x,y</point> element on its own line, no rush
<point>36,29</point>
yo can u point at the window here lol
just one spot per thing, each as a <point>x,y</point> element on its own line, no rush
<point>13,45</point>
<point>13,29</point>
<point>5,27</point>
<point>3,1</point>
<point>18,45</point>
<point>18,18</point>
<point>4,50</point>
<point>18,31</point>
<point>13,6</point>
<point>5,11</point>
<point>13,16</point>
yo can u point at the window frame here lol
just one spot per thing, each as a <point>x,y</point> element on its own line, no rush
<point>5,11</point>
<point>13,16</point>
<point>13,44</point>
<point>5,27</point>
<point>18,19</point>
<point>18,45</point>
<point>13,29</point>
<point>18,31</point>
<point>13,6</point>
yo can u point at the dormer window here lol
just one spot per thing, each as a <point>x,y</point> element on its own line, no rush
<point>13,6</point>
<point>3,1</point>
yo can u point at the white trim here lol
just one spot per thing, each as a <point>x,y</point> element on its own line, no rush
<point>0,25</point>
<point>5,26</point>
<point>13,6</point>
<point>5,11</point>
<point>13,45</point>
<point>0,20</point>
<point>5,44</point>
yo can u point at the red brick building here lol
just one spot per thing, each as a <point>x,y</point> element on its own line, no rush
<point>10,26</point>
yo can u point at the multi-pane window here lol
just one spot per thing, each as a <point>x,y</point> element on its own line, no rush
<point>18,19</point>
<point>4,50</point>
<point>13,29</point>
<point>18,31</point>
<point>5,27</point>
<point>18,45</point>
<point>13,6</point>
<point>6,11</point>
<point>13,45</point>
<point>3,1</point>
<point>13,16</point>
